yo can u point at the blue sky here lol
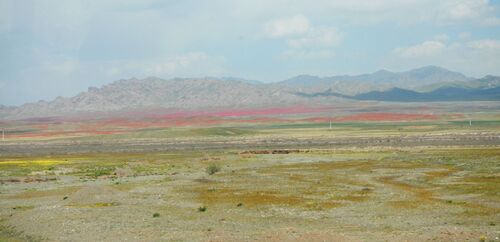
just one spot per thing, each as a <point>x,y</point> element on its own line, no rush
<point>59,48</point>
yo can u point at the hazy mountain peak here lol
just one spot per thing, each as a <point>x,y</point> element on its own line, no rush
<point>427,71</point>
<point>379,80</point>
<point>306,76</point>
<point>429,68</point>
<point>303,80</point>
<point>382,72</point>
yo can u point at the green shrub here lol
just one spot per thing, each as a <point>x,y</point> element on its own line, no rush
<point>156,215</point>
<point>202,209</point>
<point>96,172</point>
<point>212,169</point>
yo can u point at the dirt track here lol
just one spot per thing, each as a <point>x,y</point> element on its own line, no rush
<point>219,143</point>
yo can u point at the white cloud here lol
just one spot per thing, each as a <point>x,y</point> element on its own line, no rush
<point>309,54</point>
<point>427,48</point>
<point>176,63</point>
<point>317,37</point>
<point>6,16</point>
<point>474,11</point>
<point>486,44</point>
<point>473,57</point>
<point>60,25</point>
<point>373,11</point>
<point>463,9</point>
<point>480,12</point>
<point>188,65</point>
<point>304,40</point>
<point>297,24</point>
<point>464,35</point>
<point>49,63</point>
<point>442,37</point>
<point>64,67</point>
<point>493,21</point>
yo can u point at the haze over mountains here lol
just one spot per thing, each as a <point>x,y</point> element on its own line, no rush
<point>196,93</point>
<point>380,80</point>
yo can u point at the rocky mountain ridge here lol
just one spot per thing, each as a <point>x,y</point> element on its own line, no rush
<point>202,93</point>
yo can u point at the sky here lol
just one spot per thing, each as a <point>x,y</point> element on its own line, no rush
<point>52,48</point>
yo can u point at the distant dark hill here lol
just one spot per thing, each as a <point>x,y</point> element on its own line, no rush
<point>394,94</point>
<point>485,82</point>
<point>379,81</point>
<point>441,94</point>
<point>327,93</point>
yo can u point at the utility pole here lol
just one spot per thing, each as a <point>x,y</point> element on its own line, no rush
<point>330,124</point>
<point>470,122</point>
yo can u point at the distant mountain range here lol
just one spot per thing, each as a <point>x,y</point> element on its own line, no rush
<point>429,83</point>
<point>380,80</point>
<point>440,94</point>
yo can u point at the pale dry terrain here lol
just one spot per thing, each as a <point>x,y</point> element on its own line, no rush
<point>381,194</point>
<point>430,175</point>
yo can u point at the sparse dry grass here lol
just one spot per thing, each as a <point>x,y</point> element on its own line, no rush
<point>461,186</point>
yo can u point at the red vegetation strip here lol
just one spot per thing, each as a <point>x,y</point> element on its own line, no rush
<point>239,113</point>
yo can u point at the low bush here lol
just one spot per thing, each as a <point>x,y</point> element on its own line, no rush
<point>212,169</point>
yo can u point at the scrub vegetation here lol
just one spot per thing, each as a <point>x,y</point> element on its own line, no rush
<point>420,180</point>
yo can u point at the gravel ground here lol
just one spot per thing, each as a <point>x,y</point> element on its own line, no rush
<point>405,194</point>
